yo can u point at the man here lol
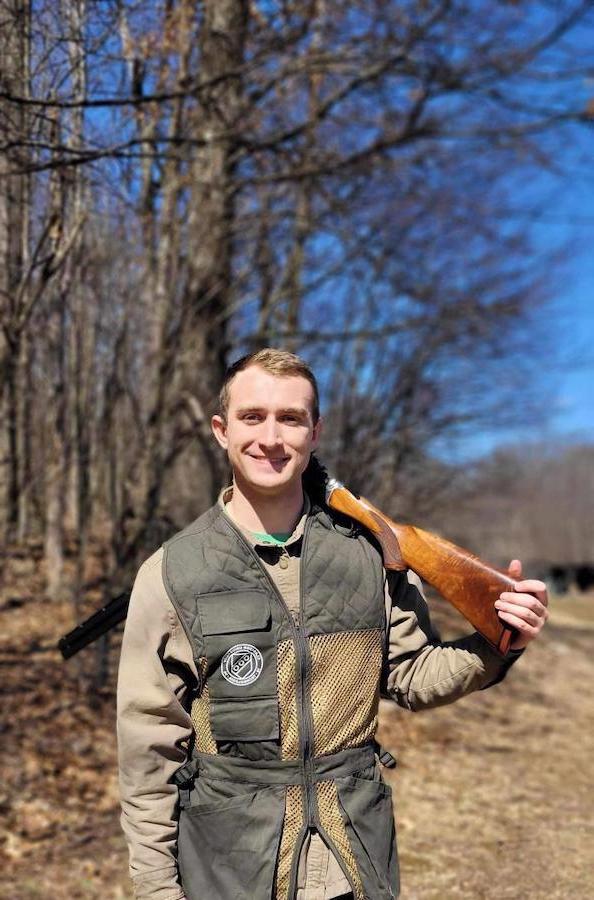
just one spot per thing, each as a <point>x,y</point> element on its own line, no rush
<point>256,646</point>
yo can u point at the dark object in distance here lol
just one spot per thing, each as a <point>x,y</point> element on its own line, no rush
<point>563,577</point>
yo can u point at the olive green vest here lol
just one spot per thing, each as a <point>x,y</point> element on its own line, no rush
<point>285,712</point>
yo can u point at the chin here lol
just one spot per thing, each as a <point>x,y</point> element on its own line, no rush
<point>274,483</point>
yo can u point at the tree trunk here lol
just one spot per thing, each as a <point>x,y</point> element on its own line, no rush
<point>204,343</point>
<point>56,486</point>
<point>14,78</point>
<point>25,443</point>
<point>81,331</point>
<point>211,214</point>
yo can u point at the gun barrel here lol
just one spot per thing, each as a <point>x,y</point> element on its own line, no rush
<point>92,628</point>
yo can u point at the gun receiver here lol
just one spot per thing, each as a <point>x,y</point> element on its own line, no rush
<point>461,578</point>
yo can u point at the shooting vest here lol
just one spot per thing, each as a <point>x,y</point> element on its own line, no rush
<point>284,713</point>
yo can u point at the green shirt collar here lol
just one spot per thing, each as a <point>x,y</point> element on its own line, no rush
<point>257,539</point>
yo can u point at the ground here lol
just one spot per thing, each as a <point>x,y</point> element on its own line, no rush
<point>493,795</point>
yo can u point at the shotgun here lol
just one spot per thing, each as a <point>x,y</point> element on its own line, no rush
<point>464,580</point>
<point>461,578</point>
<point>102,621</point>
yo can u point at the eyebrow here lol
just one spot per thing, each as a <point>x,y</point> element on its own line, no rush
<point>293,410</point>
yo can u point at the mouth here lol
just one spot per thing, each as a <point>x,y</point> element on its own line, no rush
<point>269,460</point>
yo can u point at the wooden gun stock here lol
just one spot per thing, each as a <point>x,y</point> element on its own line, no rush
<point>464,580</point>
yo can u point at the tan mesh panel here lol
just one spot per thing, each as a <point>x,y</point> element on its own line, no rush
<point>331,822</point>
<point>287,700</point>
<point>346,670</point>
<point>292,825</point>
<point>200,714</point>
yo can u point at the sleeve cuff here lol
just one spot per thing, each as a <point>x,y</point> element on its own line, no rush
<point>504,664</point>
<point>158,884</point>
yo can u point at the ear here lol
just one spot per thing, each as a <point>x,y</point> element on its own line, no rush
<point>219,429</point>
<point>317,430</point>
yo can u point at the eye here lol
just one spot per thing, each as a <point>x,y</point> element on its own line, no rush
<point>250,418</point>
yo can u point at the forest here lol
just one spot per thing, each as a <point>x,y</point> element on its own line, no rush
<point>184,181</point>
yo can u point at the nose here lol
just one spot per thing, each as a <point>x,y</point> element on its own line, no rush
<point>269,434</point>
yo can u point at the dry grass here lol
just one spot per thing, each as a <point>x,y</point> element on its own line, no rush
<point>493,795</point>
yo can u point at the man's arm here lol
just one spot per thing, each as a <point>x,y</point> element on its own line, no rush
<point>421,671</point>
<point>153,731</point>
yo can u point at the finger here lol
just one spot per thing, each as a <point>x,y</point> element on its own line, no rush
<point>521,625</point>
<point>515,569</point>
<point>531,601</point>
<point>534,617</point>
<point>532,586</point>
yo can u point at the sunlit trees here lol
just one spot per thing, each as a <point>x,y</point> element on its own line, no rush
<point>186,181</point>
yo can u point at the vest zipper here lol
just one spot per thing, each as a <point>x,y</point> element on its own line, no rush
<point>307,717</point>
<point>304,665</point>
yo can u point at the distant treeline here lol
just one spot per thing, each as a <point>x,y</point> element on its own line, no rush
<point>533,502</point>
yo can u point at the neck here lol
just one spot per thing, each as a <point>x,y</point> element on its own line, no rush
<point>262,513</point>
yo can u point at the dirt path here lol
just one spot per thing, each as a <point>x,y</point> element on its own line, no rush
<point>493,795</point>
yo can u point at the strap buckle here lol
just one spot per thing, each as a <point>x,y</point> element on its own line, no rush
<point>385,757</point>
<point>183,778</point>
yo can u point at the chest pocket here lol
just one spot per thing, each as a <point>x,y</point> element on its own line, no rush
<point>241,652</point>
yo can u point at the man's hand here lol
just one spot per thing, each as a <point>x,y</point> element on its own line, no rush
<point>524,608</point>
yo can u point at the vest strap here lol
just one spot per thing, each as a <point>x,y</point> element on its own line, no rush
<point>185,775</point>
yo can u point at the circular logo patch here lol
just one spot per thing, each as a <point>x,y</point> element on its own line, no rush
<point>242,664</point>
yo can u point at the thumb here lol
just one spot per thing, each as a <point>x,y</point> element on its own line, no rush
<point>515,569</point>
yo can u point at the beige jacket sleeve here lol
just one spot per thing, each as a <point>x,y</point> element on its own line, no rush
<point>422,672</point>
<point>153,727</point>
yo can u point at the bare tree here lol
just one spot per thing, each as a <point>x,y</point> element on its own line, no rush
<point>186,181</point>
<point>13,243</point>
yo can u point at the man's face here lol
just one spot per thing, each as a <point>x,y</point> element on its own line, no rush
<point>269,433</point>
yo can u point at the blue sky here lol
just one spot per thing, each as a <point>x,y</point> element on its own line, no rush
<point>575,399</point>
<point>567,220</point>
<point>559,211</point>
<point>558,208</point>
<point>575,302</point>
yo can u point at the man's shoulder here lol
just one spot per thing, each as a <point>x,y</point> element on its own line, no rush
<point>205,521</point>
<point>151,569</point>
<point>148,584</point>
<point>349,529</point>
<point>152,562</point>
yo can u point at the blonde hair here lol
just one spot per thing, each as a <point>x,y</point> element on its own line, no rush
<point>280,363</point>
